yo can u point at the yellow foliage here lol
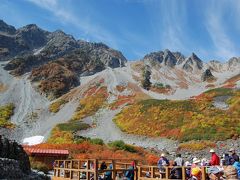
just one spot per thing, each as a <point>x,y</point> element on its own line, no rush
<point>56,106</point>
<point>89,105</point>
<point>196,145</point>
<point>5,114</point>
<point>185,120</point>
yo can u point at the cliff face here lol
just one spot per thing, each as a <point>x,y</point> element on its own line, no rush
<point>14,162</point>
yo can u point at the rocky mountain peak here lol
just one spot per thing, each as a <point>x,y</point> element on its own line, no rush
<point>207,76</point>
<point>193,63</point>
<point>4,27</point>
<point>169,59</point>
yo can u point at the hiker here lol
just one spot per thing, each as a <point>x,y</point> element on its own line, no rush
<point>196,173</point>
<point>215,160</point>
<point>195,162</point>
<point>215,173</point>
<point>130,173</point>
<point>234,157</point>
<point>108,174</point>
<point>163,161</point>
<point>178,170</point>
<point>237,166</point>
<point>230,173</point>
<point>103,166</point>
<point>204,162</point>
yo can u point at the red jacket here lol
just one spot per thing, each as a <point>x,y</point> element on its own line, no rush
<point>214,160</point>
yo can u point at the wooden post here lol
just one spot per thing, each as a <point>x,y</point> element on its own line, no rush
<point>88,168</point>
<point>167,172</point>
<point>114,169</point>
<point>139,172</point>
<point>71,164</point>
<point>152,172</point>
<point>96,169</point>
<point>203,173</point>
<point>183,173</point>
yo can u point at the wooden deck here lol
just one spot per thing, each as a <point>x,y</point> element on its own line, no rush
<point>89,169</point>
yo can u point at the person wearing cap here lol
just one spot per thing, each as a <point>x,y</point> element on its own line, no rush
<point>215,160</point>
<point>195,162</point>
<point>234,157</point>
<point>162,162</point>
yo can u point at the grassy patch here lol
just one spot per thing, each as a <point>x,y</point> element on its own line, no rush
<point>56,106</point>
<point>5,114</point>
<point>63,133</point>
<point>196,145</point>
<point>72,126</point>
<point>120,145</point>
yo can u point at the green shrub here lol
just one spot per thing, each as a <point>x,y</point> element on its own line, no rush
<point>73,126</point>
<point>40,166</point>
<point>97,141</point>
<point>120,145</point>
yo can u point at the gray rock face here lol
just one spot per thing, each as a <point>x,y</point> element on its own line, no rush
<point>165,57</point>
<point>207,75</point>
<point>30,47</point>
<point>233,62</point>
<point>5,28</point>
<point>99,51</point>
<point>193,62</point>
<point>11,150</point>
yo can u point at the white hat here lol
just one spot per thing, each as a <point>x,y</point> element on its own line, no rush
<point>162,155</point>
<point>196,160</point>
<point>211,151</point>
<point>231,149</point>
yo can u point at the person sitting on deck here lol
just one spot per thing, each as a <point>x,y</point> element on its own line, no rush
<point>163,161</point>
<point>130,173</point>
<point>108,174</point>
<point>234,157</point>
<point>178,170</point>
<point>103,166</point>
<point>237,166</point>
<point>196,173</point>
<point>215,160</point>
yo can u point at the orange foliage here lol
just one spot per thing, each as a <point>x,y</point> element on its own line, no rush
<point>87,150</point>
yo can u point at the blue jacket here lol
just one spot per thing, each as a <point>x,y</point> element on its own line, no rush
<point>237,166</point>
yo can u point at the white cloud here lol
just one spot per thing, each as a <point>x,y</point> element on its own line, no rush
<point>89,28</point>
<point>224,48</point>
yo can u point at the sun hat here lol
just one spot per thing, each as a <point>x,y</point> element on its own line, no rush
<point>231,149</point>
<point>195,171</point>
<point>211,151</point>
<point>162,155</point>
<point>196,160</point>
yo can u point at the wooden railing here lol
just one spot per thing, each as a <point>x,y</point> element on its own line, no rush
<point>152,172</point>
<point>90,169</point>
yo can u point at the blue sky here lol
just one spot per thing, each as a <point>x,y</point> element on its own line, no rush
<point>210,28</point>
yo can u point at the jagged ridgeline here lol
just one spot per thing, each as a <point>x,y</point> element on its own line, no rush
<point>54,59</point>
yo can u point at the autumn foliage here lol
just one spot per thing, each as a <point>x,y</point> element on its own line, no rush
<point>91,103</point>
<point>5,114</point>
<point>195,119</point>
<point>86,150</point>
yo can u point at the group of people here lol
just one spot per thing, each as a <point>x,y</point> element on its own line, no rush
<point>228,167</point>
<point>128,175</point>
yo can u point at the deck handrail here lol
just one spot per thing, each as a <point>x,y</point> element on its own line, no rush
<point>73,169</point>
